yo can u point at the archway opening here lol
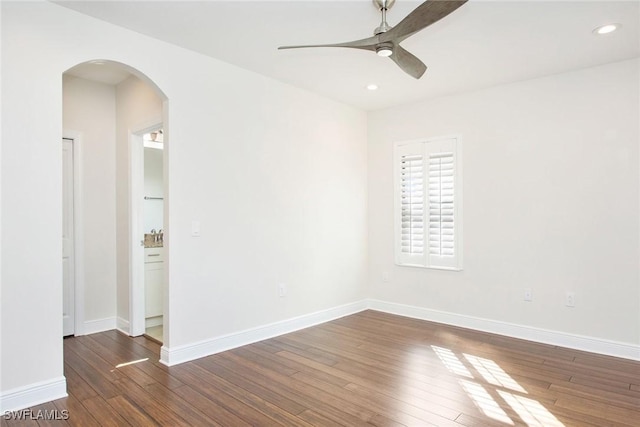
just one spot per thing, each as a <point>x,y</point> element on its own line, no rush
<point>108,107</point>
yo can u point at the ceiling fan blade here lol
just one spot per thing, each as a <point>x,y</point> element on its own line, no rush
<point>409,63</point>
<point>367,44</point>
<point>424,15</point>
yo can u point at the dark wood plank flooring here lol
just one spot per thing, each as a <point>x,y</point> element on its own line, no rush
<point>366,369</point>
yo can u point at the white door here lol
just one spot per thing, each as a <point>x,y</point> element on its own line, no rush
<point>68,285</point>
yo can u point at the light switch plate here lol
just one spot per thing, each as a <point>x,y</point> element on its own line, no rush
<point>195,228</point>
<point>282,290</point>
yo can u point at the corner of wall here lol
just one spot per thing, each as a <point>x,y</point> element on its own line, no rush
<point>562,339</point>
<point>185,353</point>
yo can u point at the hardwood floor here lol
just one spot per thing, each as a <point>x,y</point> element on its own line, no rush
<point>366,369</point>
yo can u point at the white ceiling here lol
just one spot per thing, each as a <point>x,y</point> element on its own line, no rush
<point>484,43</point>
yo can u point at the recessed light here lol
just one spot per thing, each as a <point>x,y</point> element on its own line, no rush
<point>606,29</point>
<point>372,87</point>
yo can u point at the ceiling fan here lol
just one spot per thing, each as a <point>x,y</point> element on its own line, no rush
<point>386,39</point>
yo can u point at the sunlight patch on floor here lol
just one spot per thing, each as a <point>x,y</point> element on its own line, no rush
<point>494,374</point>
<point>485,402</point>
<point>530,411</point>
<point>132,362</point>
<point>451,362</point>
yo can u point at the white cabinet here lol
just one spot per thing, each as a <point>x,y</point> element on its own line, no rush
<point>153,279</point>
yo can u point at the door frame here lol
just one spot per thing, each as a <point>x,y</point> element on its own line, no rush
<point>136,226</point>
<point>78,231</point>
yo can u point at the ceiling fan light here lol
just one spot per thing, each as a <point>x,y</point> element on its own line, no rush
<point>384,51</point>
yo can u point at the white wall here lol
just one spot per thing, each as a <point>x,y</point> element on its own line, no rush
<point>153,187</point>
<point>138,106</point>
<point>90,108</point>
<point>31,218</point>
<point>279,188</point>
<point>550,203</point>
<point>1,189</point>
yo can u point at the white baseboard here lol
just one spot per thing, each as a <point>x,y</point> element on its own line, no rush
<point>122,325</point>
<point>180,354</point>
<point>150,322</point>
<point>99,325</point>
<point>33,394</point>
<point>562,339</point>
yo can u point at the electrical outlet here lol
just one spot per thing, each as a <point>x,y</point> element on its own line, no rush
<point>528,295</point>
<point>570,299</point>
<point>282,290</point>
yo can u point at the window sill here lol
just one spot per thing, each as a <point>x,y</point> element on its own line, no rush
<point>428,267</point>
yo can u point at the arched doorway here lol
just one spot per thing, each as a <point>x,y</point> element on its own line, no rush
<point>107,109</point>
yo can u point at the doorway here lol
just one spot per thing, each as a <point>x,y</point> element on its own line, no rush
<point>153,213</point>
<point>103,102</point>
<point>148,243</point>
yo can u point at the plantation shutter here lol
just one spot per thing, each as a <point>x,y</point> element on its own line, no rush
<point>410,212</point>
<point>412,204</point>
<point>441,206</point>
<point>428,204</point>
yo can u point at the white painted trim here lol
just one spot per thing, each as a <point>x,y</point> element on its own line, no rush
<point>99,325</point>
<point>136,226</point>
<point>122,325</point>
<point>151,322</point>
<point>78,230</point>
<point>136,235</point>
<point>33,394</point>
<point>185,353</point>
<point>562,339</point>
<point>165,226</point>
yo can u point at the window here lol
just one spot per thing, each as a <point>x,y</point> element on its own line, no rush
<point>428,203</point>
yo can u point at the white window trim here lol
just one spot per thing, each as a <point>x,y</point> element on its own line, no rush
<point>423,261</point>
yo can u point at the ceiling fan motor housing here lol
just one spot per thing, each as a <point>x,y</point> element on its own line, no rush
<point>384,4</point>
